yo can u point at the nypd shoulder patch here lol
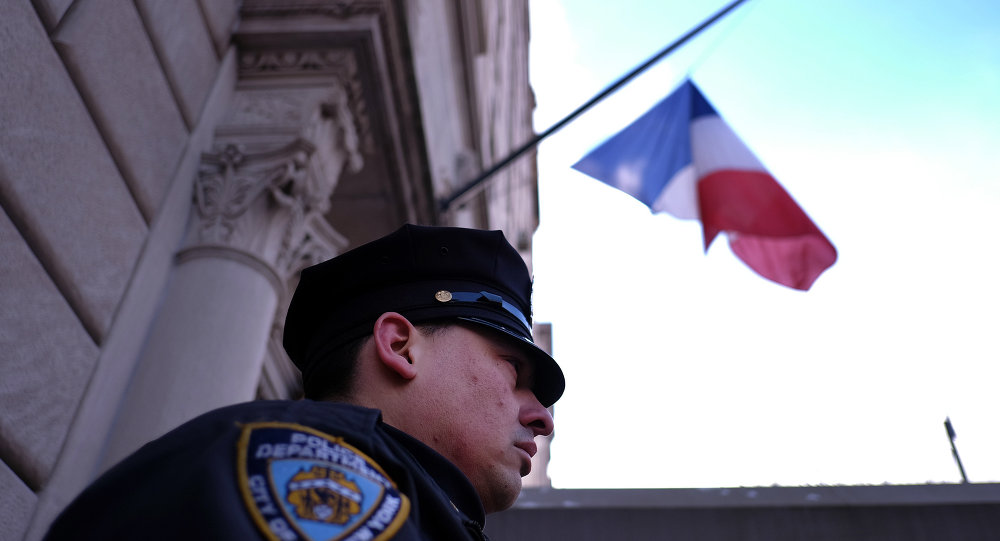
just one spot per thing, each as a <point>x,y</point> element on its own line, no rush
<point>301,484</point>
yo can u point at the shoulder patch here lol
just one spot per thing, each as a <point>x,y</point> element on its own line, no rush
<point>301,484</point>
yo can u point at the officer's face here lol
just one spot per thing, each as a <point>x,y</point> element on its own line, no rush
<point>480,411</point>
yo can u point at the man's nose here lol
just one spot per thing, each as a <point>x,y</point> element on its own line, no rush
<point>536,417</point>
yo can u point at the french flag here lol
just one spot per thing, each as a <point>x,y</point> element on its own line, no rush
<point>682,158</point>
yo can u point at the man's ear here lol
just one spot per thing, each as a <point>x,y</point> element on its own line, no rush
<point>394,338</point>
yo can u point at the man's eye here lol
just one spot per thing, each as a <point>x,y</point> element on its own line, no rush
<point>516,363</point>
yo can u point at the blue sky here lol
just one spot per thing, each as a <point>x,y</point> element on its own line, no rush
<point>685,369</point>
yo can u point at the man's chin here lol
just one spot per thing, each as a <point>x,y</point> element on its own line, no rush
<point>503,501</point>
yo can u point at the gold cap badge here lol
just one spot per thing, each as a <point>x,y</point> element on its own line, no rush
<point>443,295</point>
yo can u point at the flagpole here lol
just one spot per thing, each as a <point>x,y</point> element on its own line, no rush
<point>447,202</point>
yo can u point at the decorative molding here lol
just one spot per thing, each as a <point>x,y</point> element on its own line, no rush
<point>265,108</point>
<point>222,251</point>
<point>338,9</point>
<point>308,242</point>
<point>270,205</point>
<point>286,106</point>
<point>339,62</point>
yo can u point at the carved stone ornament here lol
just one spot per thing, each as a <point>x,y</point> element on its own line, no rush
<point>229,184</point>
<point>269,204</point>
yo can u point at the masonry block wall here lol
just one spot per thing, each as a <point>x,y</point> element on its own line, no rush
<point>103,107</point>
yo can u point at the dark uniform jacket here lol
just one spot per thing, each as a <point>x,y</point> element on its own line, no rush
<point>279,470</point>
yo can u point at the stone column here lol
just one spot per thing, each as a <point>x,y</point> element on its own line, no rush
<point>257,219</point>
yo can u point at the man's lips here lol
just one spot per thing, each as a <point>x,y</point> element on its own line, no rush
<point>528,447</point>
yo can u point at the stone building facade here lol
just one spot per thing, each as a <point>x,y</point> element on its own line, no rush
<point>168,166</point>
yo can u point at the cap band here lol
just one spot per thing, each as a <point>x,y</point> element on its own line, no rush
<point>489,298</point>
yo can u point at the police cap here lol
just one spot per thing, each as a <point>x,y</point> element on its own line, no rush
<point>425,273</point>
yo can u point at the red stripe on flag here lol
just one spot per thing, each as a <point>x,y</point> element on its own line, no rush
<point>766,227</point>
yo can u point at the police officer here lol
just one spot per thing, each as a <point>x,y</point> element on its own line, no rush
<point>424,393</point>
